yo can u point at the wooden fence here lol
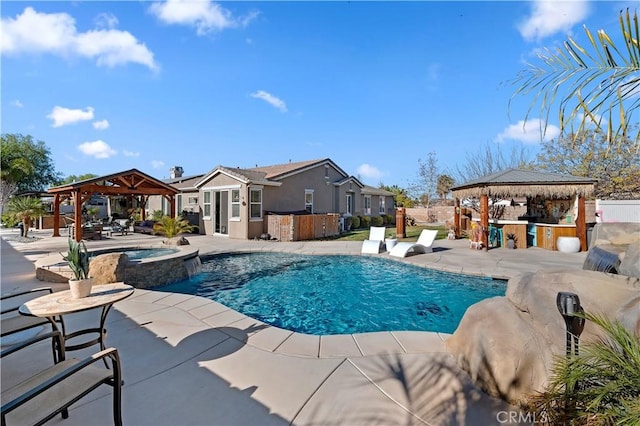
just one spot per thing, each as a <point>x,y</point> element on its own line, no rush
<point>292,227</point>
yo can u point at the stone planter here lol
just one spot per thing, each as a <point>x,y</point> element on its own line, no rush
<point>80,288</point>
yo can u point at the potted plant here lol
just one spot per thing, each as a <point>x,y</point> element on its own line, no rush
<point>511,241</point>
<point>78,259</point>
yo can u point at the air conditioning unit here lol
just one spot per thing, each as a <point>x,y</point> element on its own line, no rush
<point>341,224</point>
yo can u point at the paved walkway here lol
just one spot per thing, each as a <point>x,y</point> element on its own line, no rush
<point>191,361</point>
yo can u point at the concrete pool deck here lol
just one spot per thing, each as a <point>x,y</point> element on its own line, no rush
<point>191,361</point>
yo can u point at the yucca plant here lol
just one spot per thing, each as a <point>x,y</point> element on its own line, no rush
<point>78,259</point>
<point>170,227</point>
<point>601,386</point>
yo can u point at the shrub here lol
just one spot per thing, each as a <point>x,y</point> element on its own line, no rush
<point>157,215</point>
<point>377,221</point>
<point>355,222</point>
<point>365,221</point>
<point>601,386</point>
<point>391,219</point>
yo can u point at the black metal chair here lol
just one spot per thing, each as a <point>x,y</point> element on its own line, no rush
<point>56,387</point>
<point>12,322</point>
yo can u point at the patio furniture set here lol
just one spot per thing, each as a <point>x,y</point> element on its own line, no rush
<point>64,380</point>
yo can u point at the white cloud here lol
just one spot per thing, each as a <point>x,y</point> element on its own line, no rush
<point>205,16</point>
<point>157,164</point>
<point>62,116</point>
<point>551,16</point>
<point>130,153</point>
<point>101,125</point>
<point>97,149</point>
<point>368,171</point>
<point>55,33</point>
<point>17,103</point>
<point>529,132</point>
<point>270,99</point>
<point>106,20</point>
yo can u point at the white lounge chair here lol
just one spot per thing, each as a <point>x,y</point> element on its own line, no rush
<point>375,242</point>
<point>423,245</point>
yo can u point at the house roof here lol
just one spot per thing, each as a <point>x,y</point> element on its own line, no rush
<point>348,179</point>
<point>371,190</point>
<point>184,182</point>
<point>269,175</point>
<point>279,171</point>
<point>525,183</point>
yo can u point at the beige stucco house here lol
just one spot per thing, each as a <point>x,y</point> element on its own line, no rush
<point>235,202</point>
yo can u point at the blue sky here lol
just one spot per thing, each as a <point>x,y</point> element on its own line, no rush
<point>374,86</point>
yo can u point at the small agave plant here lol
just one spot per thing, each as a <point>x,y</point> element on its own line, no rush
<point>78,259</point>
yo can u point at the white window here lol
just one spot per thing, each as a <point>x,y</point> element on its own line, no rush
<point>207,204</point>
<point>178,204</point>
<point>382,209</point>
<point>256,204</point>
<point>308,200</point>
<point>349,204</point>
<point>367,205</point>
<point>235,204</point>
<point>192,200</point>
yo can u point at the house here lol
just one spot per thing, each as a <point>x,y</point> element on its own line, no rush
<point>235,202</point>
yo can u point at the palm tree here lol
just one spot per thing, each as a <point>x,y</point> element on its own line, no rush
<point>170,227</point>
<point>25,209</point>
<point>601,386</point>
<point>601,83</point>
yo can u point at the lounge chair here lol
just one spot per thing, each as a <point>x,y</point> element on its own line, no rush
<point>59,385</point>
<point>375,242</point>
<point>423,245</point>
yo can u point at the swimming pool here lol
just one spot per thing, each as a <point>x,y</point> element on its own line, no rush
<point>322,295</point>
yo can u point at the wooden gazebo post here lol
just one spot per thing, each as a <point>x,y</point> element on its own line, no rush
<point>581,224</point>
<point>456,217</point>
<point>56,215</point>
<point>484,220</point>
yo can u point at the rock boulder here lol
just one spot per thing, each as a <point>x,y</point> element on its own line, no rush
<point>508,344</point>
<point>177,241</point>
<point>108,268</point>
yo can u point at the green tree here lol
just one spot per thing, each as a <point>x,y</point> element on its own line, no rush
<point>445,182</point>
<point>172,227</point>
<point>400,196</point>
<point>617,167</point>
<point>601,386</point>
<point>599,83</point>
<point>25,209</point>
<point>74,178</point>
<point>27,163</point>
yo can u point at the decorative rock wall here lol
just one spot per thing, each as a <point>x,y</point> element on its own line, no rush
<point>507,344</point>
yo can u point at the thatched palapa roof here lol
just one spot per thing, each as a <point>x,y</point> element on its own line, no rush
<point>512,183</point>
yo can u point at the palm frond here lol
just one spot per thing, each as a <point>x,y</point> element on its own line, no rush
<point>587,84</point>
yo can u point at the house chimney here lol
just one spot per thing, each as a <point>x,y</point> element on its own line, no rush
<point>176,172</point>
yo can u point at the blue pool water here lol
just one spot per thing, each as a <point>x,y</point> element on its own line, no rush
<point>139,254</point>
<point>338,294</point>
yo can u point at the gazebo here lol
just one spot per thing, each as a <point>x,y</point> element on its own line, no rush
<point>513,183</point>
<point>131,182</point>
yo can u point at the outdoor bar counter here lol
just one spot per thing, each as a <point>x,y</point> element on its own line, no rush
<point>546,234</point>
<point>515,227</point>
<point>533,234</point>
